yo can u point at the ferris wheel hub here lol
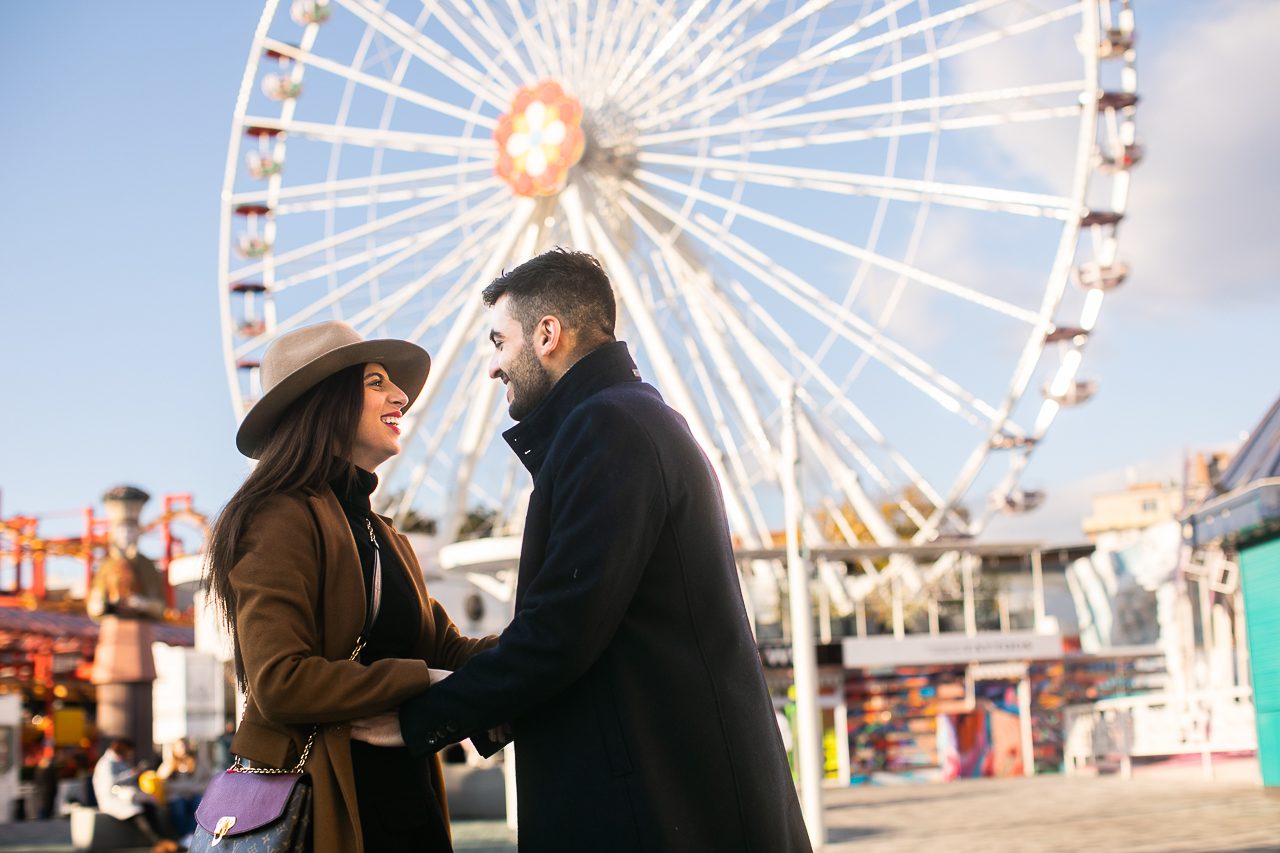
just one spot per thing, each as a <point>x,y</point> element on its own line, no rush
<point>539,139</point>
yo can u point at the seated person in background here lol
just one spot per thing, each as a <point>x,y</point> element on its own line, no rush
<point>183,783</point>
<point>115,784</point>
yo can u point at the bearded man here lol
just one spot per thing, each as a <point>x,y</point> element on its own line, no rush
<point>629,673</point>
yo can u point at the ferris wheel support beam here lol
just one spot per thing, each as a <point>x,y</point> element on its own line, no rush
<point>844,247</point>
<point>276,261</point>
<point>722,20</point>
<point>477,430</point>
<point>465,325</point>
<point>543,62</point>
<point>637,71</point>
<point>432,443</point>
<point>476,214</point>
<point>365,199</point>
<point>720,100</point>
<point>902,362</point>
<point>411,177</point>
<point>562,32</point>
<point>898,189</point>
<point>422,242</point>
<point>728,442</point>
<point>769,367</point>
<point>729,62</point>
<point>626,42</point>
<point>380,85</point>
<point>430,53</point>
<point>680,263</point>
<point>739,125</point>
<point>480,424</point>
<point>588,231</point>
<point>786,143</point>
<point>381,310</point>
<point>854,412</point>
<point>831,50</point>
<point>399,140</point>
<point>740,481</point>
<point>487,26</point>
<point>745,336</point>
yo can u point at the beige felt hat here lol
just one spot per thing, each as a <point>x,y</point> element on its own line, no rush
<point>300,359</point>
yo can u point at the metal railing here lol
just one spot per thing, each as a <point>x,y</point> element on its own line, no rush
<point>1112,732</point>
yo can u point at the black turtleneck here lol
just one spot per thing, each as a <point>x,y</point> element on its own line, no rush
<point>395,634</point>
<point>399,812</point>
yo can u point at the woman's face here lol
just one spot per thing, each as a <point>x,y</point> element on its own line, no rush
<point>378,434</point>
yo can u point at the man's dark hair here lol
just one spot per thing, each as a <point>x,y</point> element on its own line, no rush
<point>565,284</point>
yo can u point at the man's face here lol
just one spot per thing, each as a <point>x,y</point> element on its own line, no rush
<point>515,362</point>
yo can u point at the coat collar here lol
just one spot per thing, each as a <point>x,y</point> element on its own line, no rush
<point>604,366</point>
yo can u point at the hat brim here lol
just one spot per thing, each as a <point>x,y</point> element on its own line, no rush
<point>407,366</point>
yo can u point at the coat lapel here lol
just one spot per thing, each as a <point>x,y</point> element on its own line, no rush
<point>344,603</point>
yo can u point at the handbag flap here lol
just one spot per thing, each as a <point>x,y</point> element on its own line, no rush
<point>251,799</point>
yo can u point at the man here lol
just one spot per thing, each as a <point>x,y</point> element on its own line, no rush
<point>115,784</point>
<point>629,673</point>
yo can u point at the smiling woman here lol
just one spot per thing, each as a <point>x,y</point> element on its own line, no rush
<point>302,572</point>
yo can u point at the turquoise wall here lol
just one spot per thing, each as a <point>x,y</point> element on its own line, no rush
<point>1260,574</point>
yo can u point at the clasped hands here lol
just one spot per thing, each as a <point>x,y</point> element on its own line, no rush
<point>384,729</point>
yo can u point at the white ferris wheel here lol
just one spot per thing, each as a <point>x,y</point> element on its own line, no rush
<point>904,210</point>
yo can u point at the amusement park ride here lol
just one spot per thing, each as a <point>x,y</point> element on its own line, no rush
<point>878,209</point>
<point>47,640</point>
<point>25,551</point>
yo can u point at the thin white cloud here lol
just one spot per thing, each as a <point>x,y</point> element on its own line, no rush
<point>1059,520</point>
<point>1201,225</point>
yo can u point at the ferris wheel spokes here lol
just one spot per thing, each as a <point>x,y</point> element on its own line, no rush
<point>481,80</point>
<point>371,185</point>
<point>897,69</point>
<point>376,83</point>
<point>372,137</point>
<point>417,244</point>
<point>829,51</point>
<point>695,113</point>
<point>844,247</point>
<point>466,325</point>
<point>906,365</point>
<point>734,126</point>
<point>276,261</point>
<point>898,189</point>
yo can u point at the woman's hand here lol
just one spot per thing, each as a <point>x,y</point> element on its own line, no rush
<point>438,675</point>
<point>380,730</point>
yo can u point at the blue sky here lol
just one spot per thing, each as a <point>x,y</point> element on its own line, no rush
<point>117,125</point>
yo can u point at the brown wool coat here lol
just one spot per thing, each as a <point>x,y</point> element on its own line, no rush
<point>299,608</point>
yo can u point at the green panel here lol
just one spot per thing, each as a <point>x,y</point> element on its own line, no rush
<point>1260,575</point>
<point>1269,747</point>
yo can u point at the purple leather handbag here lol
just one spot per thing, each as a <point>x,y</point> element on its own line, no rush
<point>254,813</point>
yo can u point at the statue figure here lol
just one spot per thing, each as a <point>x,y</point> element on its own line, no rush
<point>127,595</point>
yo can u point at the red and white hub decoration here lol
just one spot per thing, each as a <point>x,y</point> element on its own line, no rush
<point>539,140</point>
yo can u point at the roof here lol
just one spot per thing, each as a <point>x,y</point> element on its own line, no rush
<point>1258,458</point>
<point>1245,506</point>
<point>21,620</point>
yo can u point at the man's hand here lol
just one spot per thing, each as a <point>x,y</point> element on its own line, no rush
<point>381,730</point>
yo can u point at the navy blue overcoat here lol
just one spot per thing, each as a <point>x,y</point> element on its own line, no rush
<point>629,672</point>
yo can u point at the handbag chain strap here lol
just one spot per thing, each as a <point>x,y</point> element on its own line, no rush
<point>375,605</point>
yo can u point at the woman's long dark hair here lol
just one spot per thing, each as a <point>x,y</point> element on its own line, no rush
<point>309,446</point>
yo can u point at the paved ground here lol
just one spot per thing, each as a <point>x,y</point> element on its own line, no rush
<point>1171,808</point>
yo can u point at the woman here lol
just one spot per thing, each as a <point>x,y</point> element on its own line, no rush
<point>294,567</point>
